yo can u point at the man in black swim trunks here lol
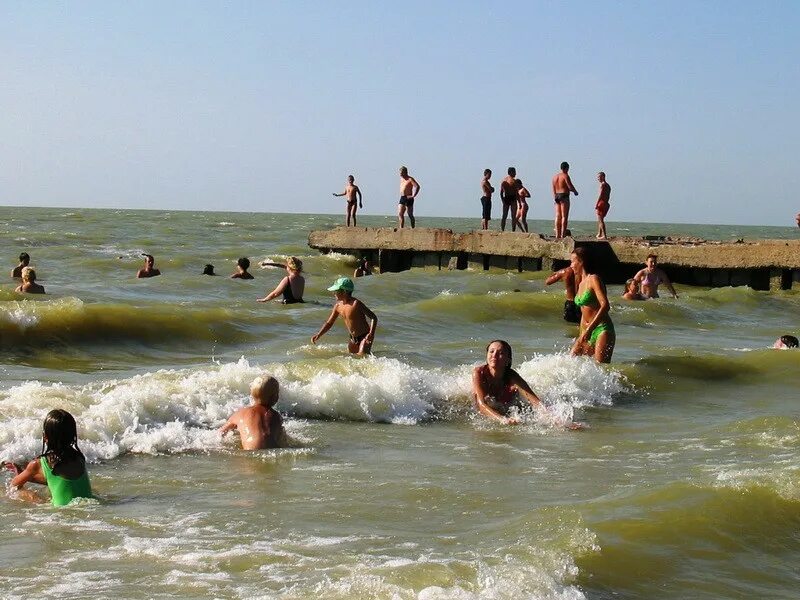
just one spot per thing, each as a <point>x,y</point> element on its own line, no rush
<point>409,188</point>
<point>486,199</point>
<point>562,186</point>
<point>509,195</point>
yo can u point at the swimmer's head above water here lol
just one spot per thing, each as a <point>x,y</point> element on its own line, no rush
<point>786,341</point>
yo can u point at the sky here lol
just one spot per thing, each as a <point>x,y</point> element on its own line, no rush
<point>691,108</point>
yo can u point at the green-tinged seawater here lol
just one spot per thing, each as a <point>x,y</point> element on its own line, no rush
<point>685,484</point>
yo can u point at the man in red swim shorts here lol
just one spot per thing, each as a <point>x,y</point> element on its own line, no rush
<point>602,206</point>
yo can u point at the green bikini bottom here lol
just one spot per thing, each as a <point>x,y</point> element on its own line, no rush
<point>601,327</point>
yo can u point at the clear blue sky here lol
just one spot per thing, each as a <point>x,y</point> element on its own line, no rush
<point>691,108</point>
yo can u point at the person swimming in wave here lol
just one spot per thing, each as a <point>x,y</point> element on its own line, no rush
<point>149,269</point>
<point>360,321</point>
<point>632,291</point>
<point>209,269</point>
<point>597,337</point>
<point>292,286</point>
<point>24,261</point>
<point>29,285</point>
<point>241,269</point>
<point>651,277</point>
<point>61,466</point>
<point>259,425</point>
<point>786,341</point>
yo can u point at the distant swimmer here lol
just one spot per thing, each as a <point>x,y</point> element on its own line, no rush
<point>208,269</point>
<point>29,285</point>
<point>409,188</point>
<point>292,286</point>
<point>259,425</point>
<point>149,269</point>
<point>597,337</point>
<point>509,196</point>
<point>360,321</point>
<point>567,275</point>
<point>351,193</point>
<point>651,277</point>
<point>24,261</point>
<point>486,199</point>
<point>786,341</point>
<point>602,205</point>
<point>364,269</point>
<point>241,269</point>
<point>61,466</point>
<point>522,206</point>
<point>632,291</point>
<point>562,186</point>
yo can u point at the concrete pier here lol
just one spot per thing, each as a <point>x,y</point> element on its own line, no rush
<point>760,264</point>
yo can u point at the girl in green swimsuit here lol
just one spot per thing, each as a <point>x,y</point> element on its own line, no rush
<point>61,465</point>
<point>597,337</point>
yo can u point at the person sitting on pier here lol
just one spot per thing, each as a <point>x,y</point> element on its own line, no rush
<point>24,261</point>
<point>149,269</point>
<point>241,269</point>
<point>29,285</point>
<point>292,286</point>
<point>651,277</point>
<point>632,291</point>
<point>567,275</point>
<point>597,336</point>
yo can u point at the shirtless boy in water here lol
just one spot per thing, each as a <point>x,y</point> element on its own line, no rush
<point>260,425</point>
<point>350,192</point>
<point>149,269</point>
<point>355,314</point>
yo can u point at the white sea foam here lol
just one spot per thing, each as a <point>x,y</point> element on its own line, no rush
<point>21,314</point>
<point>171,411</point>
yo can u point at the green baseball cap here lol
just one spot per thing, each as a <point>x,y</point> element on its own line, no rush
<point>344,284</point>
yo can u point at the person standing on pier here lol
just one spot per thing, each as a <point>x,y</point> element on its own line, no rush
<point>409,188</point>
<point>486,199</point>
<point>602,206</point>
<point>508,195</point>
<point>350,192</point>
<point>562,186</point>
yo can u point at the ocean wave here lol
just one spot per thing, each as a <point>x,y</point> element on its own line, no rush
<point>178,410</point>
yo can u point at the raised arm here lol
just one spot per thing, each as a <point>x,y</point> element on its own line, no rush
<point>230,424</point>
<point>325,326</point>
<point>31,473</point>
<point>555,277</point>
<point>276,292</point>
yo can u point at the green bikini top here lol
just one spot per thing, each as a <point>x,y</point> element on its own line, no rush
<point>587,298</point>
<point>63,490</point>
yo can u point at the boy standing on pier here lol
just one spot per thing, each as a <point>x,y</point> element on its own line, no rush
<point>602,206</point>
<point>508,196</point>
<point>486,199</point>
<point>350,192</point>
<point>355,314</point>
<point>562,186</point>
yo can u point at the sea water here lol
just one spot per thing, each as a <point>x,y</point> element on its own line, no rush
<point>685,482</point>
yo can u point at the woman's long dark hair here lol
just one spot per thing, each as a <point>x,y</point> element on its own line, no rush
<point>60,443</point>
<point>507,347</point>
<point>586,260</point>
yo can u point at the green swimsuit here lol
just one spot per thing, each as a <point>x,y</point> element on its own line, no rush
<point>63,490</point>
<point>588,298</point>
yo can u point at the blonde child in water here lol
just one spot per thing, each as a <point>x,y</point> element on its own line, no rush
<point>61,466</point>
<point>260,425</point>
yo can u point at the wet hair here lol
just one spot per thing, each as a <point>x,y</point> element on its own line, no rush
<point>24,257</point>
<point>628,284</point>
<point>507,347</point>
<point>265,390</point>
<point>602,174</point>
<point>294,264</point>
<point>487,172</point>
<point>244,263</point>
<point>404,169</point>
<point>653,256</point>
<point>149,257</point>
<point>512,171</point>
<point>208,269</point>
<point>565,166</point>
<point>350,178</point>
<point>789,341</point>
<point>28,274</point>
<point>60,442</point>
<point>586,259</point>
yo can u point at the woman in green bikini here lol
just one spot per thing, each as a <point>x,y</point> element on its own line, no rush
<point>597,337</point>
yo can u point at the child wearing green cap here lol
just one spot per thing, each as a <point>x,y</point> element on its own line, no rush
<point>356,316</point>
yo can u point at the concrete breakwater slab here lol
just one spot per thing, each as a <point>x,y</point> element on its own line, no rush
<point>760,264</point>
